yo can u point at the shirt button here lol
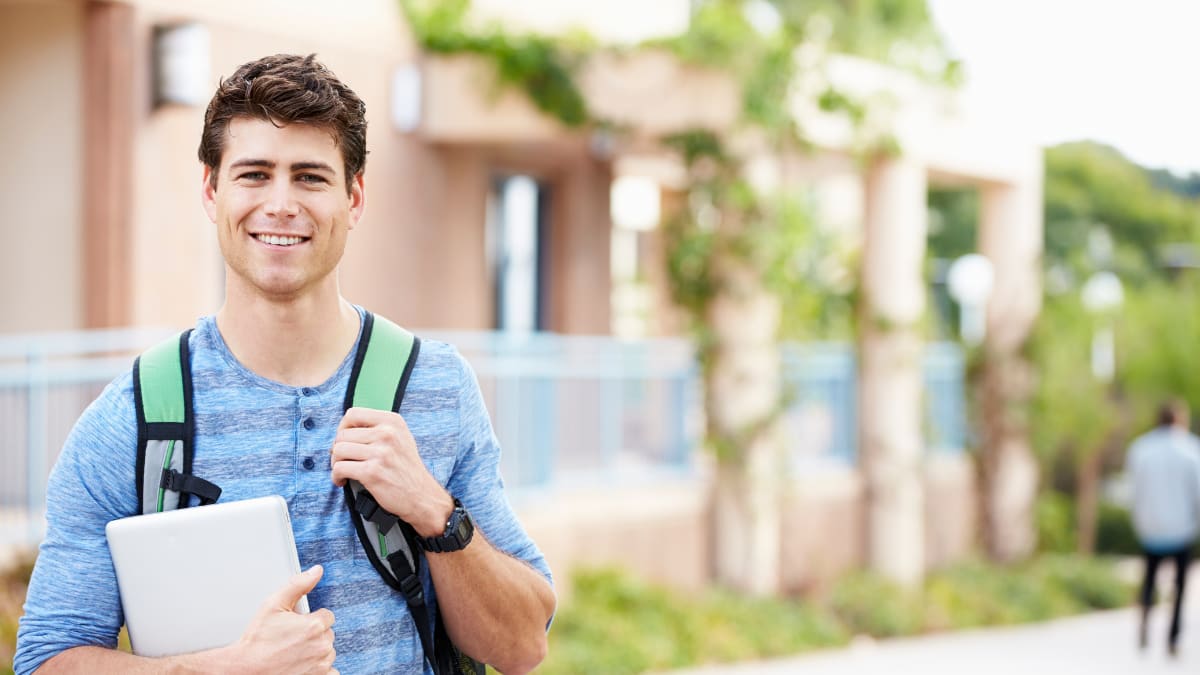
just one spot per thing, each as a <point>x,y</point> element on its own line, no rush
<point>307,391</point>
<point>309,423</point>
<point>309,463</point>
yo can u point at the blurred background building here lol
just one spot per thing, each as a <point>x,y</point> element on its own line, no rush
<point>531,245</point>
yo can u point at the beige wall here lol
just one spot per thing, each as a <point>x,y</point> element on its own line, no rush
<point>824,529</point>
<point>418,254</point>
<point>41,59</point>
<point>175,287</point>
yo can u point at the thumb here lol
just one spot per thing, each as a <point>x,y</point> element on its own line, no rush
<point>285,599</point>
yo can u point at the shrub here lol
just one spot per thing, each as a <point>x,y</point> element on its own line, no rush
<point>1114,531</point>
<point>617,624</point>
<point>868,604</point>
<point>1089,582</point>
<point>1055,514</point>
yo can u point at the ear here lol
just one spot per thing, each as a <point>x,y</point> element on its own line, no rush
<point>358,199</point>
<point>208,194</point>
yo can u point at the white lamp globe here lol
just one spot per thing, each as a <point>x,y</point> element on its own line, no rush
<point>970,279</point>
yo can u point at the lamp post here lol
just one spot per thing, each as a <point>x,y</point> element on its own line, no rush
<point>970,283</point>
<point>1102,296</point>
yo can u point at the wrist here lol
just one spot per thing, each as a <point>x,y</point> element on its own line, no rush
<point>229,659</point>
<point>437,515</point>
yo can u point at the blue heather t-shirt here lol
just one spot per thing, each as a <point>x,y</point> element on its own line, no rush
<point>257,437</point>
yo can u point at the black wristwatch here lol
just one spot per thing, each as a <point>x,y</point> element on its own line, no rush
<point>459,530</point>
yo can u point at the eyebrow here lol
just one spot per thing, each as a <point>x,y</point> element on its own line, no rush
<point>297,166</point>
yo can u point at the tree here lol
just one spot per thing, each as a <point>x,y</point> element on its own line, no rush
<point>733,248</point>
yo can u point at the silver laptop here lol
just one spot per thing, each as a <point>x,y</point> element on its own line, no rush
<point>192,579</point>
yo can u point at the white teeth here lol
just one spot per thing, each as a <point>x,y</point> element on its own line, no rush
<point>277,240</point>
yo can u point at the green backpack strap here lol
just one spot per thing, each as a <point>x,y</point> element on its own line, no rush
<point>382,365</point>
<point>162,394</point>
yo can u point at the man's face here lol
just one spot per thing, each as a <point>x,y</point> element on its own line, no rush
<point>281,208</point>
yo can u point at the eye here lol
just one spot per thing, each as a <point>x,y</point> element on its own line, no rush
<point>311,178</point>
<point>253,175</point>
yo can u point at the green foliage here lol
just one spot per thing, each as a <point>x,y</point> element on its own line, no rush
<point>1088,184</point>
<point>13,582</point>
<point>1073,411</point>
<point>1087,583</point>
<point>615,624</point>
<point>953,222</point>
<point>899,32</point>
<point>1055,518</point>
<point>870,605</point>
<point>542,67</point>
<point>1185,186</point>
<point>975,594</point>
<point>1114,532</point>
<point>1115,535</point>
<point>1156,338</point>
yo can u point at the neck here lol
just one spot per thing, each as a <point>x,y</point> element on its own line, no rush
<point>299,342</point>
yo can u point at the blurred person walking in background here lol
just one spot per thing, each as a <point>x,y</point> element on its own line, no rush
<point>1164,467</point>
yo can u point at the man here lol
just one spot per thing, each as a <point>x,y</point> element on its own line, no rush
<point>1164,466</point>
<point>283,149</point>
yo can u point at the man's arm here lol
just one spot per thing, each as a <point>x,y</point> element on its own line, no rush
<point>495,595</point>
<point>499,608</point>
<point>278,640</point>
<point>73,608</point>
<point>496,607</point>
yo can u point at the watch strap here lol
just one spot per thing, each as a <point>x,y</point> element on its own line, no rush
<point>458,533</point>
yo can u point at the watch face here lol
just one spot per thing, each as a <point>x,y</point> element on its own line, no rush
<point>463,530</point>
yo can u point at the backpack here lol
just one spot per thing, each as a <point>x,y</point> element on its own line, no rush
<point>162,389</point>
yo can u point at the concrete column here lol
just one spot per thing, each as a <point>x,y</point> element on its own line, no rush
<point>1011,237</point>
<point>742,388</point>
<point>890,381</point>
<point>108,163</point>
<point>578,297</point>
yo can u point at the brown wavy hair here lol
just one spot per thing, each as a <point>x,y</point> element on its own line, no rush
<point>287,89</point>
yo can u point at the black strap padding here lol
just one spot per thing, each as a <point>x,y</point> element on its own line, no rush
<point>166,431</point>
<point>409,578</point>
<point>368,508</point>
<point>185,483</point>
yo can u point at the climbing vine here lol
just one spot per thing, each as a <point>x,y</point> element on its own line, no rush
<point>542,67</point>
<point>775,60</point>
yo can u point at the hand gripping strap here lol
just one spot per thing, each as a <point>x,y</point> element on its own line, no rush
<point>162,392</point>
<point>384,362</point>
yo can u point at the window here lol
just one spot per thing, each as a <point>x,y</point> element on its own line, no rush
<point>517,225</point>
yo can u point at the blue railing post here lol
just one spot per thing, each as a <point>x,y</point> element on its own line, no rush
<point>35,438</point>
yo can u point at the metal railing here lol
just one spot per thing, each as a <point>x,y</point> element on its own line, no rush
<point>568,410</point>
<point>821,423</point>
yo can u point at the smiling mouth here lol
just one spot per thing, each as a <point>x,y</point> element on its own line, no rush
<point>277,240</point>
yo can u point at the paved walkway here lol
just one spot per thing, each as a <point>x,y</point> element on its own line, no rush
<point>1094,644</point>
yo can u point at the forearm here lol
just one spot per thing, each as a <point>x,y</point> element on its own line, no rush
<point>495,607</point>
<point>102,661</point>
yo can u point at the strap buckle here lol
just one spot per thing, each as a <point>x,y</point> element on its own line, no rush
<point>369,509</point>
<point>186,483</point>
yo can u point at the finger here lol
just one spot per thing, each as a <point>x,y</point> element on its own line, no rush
<point>360,435</point>
<point>346,470</point>
<point>363,417</point>
<point>344,450</point>
<point>369,417</point>
<point>325,617</point>
<point>285,598</point>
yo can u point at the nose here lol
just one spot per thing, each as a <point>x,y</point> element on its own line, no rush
<point>280,202</point>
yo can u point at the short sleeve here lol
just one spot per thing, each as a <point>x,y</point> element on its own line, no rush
<point>73,599</point>
<point>476,480</point>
